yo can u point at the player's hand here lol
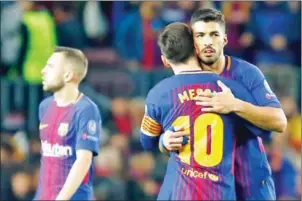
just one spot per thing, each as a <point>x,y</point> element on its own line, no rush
<point>222,102</point>
<point>173,141</point>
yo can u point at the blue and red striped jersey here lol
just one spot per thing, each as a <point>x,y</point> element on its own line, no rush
<point>63,131</point>
<point>204,168</point>
<point>251,165</point>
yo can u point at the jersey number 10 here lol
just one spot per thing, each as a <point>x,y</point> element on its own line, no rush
<point>207,139</point>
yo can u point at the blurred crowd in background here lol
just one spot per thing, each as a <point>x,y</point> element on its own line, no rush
<point>119,39</point>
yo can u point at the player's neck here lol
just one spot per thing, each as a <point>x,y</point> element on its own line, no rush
<point>69,94</point>
<point>191,65</point>
<point>217,67</point>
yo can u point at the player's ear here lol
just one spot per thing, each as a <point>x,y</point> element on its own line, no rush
<point>165,61</point>
<point>225,40</point>
<point>68,76</point>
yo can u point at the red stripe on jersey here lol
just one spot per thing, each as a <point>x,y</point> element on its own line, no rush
<point>173,100</point>
<point>239,173</point>
<point>205,187</point>
<point>197,189</point>
<point>49,170</point>
<point>86,178</point>
<point>209,139</point>
<point>208,85</point>
<point>183,108</point>
<point>193,192</point>
<point>59,175</point>
<point>194,109</point>
<point>247,179</point>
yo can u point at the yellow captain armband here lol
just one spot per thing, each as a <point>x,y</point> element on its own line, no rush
<point>150,127</point>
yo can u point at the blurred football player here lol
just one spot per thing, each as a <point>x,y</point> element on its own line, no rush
<point>252,171</point>
<point>70,126</point>
<point>203,169</point>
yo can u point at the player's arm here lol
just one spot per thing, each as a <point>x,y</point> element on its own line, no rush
<point>150,127</point>
<point>87,137</point>
<point>244,95</point>
<point>268,118</point>
<point>151,137</point>
<point>268,115</point>
<point>76,175</point>
<point>173,139</point>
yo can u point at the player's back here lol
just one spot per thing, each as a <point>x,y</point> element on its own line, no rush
<point>203,168</point>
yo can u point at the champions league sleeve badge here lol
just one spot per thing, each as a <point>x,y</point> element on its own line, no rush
<point>91,127</point>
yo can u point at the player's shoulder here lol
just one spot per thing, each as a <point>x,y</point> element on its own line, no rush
<point>243,66</point>
<point>85,103</point>
<point>47,101</point>
<point>246,73</point>
<point>159,91</point>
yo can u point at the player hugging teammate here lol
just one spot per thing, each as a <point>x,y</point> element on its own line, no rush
<point>222,104</point>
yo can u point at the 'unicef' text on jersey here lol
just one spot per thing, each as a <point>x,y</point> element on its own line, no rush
<point>55,150</point>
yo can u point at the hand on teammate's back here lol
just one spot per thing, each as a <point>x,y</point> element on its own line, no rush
<point>222,102</point>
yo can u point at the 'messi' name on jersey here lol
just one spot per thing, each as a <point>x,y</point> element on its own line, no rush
<point>190,94</point>
<point>55,150</point>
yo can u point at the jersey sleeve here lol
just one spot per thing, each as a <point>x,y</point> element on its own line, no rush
<point>42,107</point>
<point>150,127</point>
<point>255,81</point>
<point>89,129</point>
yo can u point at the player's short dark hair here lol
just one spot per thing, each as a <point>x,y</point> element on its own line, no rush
<point>176,42</point>
<point>208,15</point>
<point>77,59</point>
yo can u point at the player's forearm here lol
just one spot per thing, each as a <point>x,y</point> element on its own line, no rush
<point>75,178</point>
<point>149,143</point>
<point>267,118</point>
